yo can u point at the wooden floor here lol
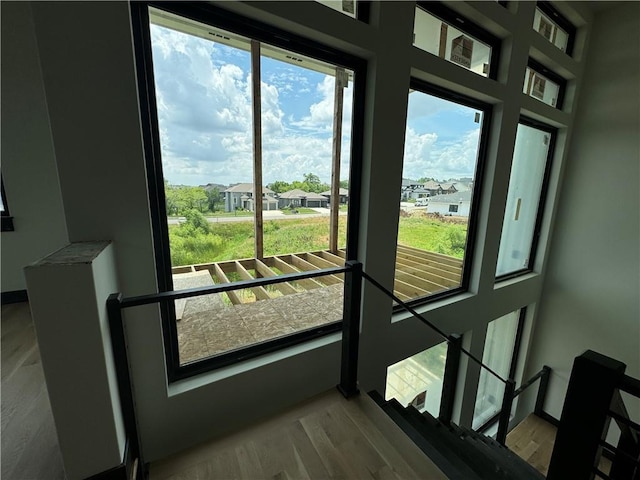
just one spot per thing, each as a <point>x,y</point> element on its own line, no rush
<point>327,437</point>
<point>29,443</point>
<point>533,441</point>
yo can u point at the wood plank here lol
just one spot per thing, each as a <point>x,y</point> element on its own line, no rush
<point>302,264</point>
<point>437,257</point>
<point>409,290</point>
<point>257,146</point>
<point>338,98</point>
<point>285,267</point>
<point>260,292</point>
<point>436,275</point>
<point>220,275</point>
<point>419,282</point>
<point>337,260</point>
<point>320,262</point>
<point>429,262</point>
<point>285,287</point>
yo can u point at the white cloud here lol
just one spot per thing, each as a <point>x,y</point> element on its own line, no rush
<point>424,156</point>
<point>205,115</point>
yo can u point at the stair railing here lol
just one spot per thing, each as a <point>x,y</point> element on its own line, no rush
<point>452,366</point>
<point>543,376</point>
<point>593,399</point>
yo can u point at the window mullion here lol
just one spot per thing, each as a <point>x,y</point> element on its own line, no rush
<point>256,101</point>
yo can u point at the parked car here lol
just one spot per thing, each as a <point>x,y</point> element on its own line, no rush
<point>422,202</point>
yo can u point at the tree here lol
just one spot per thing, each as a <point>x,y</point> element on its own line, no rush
<point>280,186</point>
<point>213,197</point>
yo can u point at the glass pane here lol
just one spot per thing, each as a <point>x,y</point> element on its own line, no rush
<point>299,99</point>
<point>540,87</point>
<point>440,158</point>
<point>204,91</point>
<point>525,186</point>
<point>550,30</point>
<point>417,380</point>
<point>497,355</point>
<point>348,7</point>
<point>439,38</point>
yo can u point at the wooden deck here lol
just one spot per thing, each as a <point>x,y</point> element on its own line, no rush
<point>418,273</point>
<point>217,323</point>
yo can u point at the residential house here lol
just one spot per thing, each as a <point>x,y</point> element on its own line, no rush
<point>300,198</point>
<point>343,194</point>
<point>458,204</point>
<point>241,196</point>
<point>74,170</point>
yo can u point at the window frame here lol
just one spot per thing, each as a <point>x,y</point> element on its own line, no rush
<point>7,219</point>
<point>517,343</point>
<point>544,193</point>
<point>554,77</point>
<point>474,208</point>
<point>551,12</point>
<point>463,24</point>
<point>220,18</point>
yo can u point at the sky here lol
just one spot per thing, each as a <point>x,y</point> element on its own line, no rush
<point>203,93</point>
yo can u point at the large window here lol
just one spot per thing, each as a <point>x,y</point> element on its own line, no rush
<point>499,355</point>
<point>441,175</point>
<point>525,199</point>
<point>253,154</point>
<point>417,380</point>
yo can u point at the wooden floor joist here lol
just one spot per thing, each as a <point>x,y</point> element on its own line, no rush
<point>418,273</point>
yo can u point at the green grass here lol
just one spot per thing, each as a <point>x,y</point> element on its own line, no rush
<point>298,210</point>
<point>235,240</point>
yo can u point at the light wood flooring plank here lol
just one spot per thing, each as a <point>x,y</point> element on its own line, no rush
<point>327,437</point>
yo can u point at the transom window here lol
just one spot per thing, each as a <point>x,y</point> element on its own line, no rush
<point>543,84</point>
<point>553,26</point>
<point>448,35</point>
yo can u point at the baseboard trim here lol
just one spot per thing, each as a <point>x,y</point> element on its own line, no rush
<point>125,471</point>
<point>552,420</point>
<point>15,296</point>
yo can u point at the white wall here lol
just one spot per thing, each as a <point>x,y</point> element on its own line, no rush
<point>28,160</point>
<point>86,54</point>
<point>591,294</point>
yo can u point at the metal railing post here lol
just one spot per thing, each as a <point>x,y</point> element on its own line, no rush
<point>542,391</point>
<point>505,412</point>
<point>125,388</point>
<point>450,381</point>
<point>576,450</point>
<point>351,330</point>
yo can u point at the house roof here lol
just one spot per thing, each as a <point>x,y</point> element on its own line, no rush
<point>246,188</point>
<point>297,193</point>
<point>343,191</point>
<point>452,197</point>
<point>431,185</point>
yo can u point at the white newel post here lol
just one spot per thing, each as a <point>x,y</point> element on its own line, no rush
<point>67,294</point>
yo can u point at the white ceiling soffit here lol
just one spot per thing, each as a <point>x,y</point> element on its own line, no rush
<point>207,32</point>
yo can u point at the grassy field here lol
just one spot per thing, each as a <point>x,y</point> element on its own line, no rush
<point>234,240</point>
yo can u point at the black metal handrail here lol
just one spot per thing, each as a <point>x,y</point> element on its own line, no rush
<point>430,325</point>
<point>543,376</point>
<point>452,366</point>
<point>592,400</point>
<point>116,303</point>
<point>227,287</point>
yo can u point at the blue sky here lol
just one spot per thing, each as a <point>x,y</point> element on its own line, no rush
<point>203,92</point>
